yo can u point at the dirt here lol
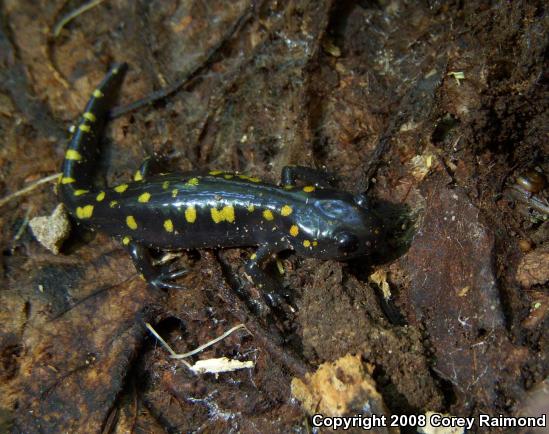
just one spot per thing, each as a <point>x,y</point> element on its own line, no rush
<point>439,110</point>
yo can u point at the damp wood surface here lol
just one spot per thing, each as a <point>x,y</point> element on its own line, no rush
<point>440,107</point>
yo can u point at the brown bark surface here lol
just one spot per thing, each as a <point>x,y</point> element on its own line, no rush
<point>434,107</point>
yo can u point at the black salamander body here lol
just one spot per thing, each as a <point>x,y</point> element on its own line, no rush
<point>211,209</point>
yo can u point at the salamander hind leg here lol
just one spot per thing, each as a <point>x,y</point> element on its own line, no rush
<point>150,166</point>
<point>153,275</point>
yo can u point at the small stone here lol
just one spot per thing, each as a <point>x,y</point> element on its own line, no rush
<point>525,246</point>
<point>52,230</point>
<point>339,388</point>
<point>533,269</point>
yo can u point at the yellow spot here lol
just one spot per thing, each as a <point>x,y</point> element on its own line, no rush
<point>215,172</point>
<point>138,176</point>
<point>268,215</point>
<point>315,243</point>
<point>130,221</point>
<point>89,116</point>
<point>174,192</point>
<point>80,192</point>
<point>190,214</point>
<point>294,230</point>
<point>253,257</point>
<point>144,198</point>
<point>165,185</point>
<point>84,127</point>
<point>84,212</point>
<point>168,225</point>
<point>97,93</point>
<point>100,196</point>
<point>113,203</point>
<point>254,179</point>
<point>67,180</point>
<point>306,243</point>
<point>228,176</point>
<point>244,177</point>
<point>308,189</point>
<point>73,154</point>
<point>126,240</point>
<point>121,188</point>
<point>288,187</point>
<point>286,210</point>
<point>226,214</point>
<point>192,181</point>
<point>251,208</point>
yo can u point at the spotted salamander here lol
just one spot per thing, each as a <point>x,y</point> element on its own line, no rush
<point>211,209</point>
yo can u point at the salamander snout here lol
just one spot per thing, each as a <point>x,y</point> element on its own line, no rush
<point>344,227</point>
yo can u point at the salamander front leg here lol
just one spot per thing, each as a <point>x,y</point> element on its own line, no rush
<point>144,265</point>
<point>290,174</point>
<point>266,283</point>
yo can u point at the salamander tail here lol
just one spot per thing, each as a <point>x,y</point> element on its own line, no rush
<point>83,149</point>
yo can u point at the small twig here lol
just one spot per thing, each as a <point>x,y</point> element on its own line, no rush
<point>210,343</point>
<point>24,224</point>
<point>172,88</point>
<point>73,14</point>
<point>174,355</point>
<point>100,291</point>
<point>162,341</point>
<point>29,188</point>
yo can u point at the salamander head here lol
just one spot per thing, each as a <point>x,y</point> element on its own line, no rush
<point>340,226</point>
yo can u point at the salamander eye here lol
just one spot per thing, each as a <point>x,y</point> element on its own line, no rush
<point>347,242</point>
